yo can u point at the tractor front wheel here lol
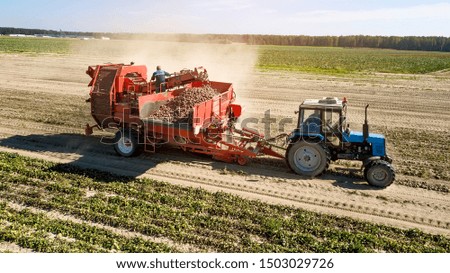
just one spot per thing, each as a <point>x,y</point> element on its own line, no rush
<point>127,144</point>
<point>379,173</point>
<point>307,158</point>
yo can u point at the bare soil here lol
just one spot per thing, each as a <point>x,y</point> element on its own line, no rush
<point>43,113</point>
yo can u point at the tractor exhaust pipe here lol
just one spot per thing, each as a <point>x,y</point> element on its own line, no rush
<point>366,126</point>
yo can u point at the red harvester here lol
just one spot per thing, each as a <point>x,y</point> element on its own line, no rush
<point>121,97</point>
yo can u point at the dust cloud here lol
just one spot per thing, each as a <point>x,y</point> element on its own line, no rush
<point>224,62</point>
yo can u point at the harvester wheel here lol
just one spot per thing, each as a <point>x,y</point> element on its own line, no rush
<point>127,144</point>
<point>379,173</point>
<point>242,160</point>
<point>308,158</point>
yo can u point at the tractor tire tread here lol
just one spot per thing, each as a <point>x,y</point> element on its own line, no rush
<point>380,162</point>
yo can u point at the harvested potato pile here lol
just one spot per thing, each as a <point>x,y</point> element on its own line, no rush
<point>179,108</point>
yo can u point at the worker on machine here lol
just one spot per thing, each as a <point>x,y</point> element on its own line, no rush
<point>312,123</point>
<point>160,76</point>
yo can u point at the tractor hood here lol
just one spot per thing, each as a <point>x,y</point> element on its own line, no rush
<point>377,141</point>
<point>358,137</point>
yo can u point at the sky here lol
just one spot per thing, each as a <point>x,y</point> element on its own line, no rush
<point>283,17</point>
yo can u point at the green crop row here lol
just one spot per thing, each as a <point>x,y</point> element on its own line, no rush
<point>209,221</point>
<point>34,45</point>
<point>331,60</point>
<point>36,227</point>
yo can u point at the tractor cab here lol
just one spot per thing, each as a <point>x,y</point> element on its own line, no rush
<point>323,135</point>
<point>324,119</point>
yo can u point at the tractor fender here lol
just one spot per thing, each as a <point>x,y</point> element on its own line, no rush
<point>367,161</point>
<point>370,159</point>
<point>387,159</point>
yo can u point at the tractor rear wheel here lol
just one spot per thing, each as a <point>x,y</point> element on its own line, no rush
<point>127,144</point>
<point>307,158</point>
<point>286,156</point>
<point>379,173</point>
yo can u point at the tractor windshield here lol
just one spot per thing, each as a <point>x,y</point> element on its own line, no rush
<point>331,121</point>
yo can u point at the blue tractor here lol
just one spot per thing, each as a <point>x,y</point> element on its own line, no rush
<point>323,135</point>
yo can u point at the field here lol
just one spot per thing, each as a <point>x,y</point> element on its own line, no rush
<point>43,114</point>
<point>113,213</point>
<point>330,60</point>
<point>34,45</point>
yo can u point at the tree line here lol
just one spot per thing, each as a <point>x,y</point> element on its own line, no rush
<point>30,31</point>
<point>425,43</point>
